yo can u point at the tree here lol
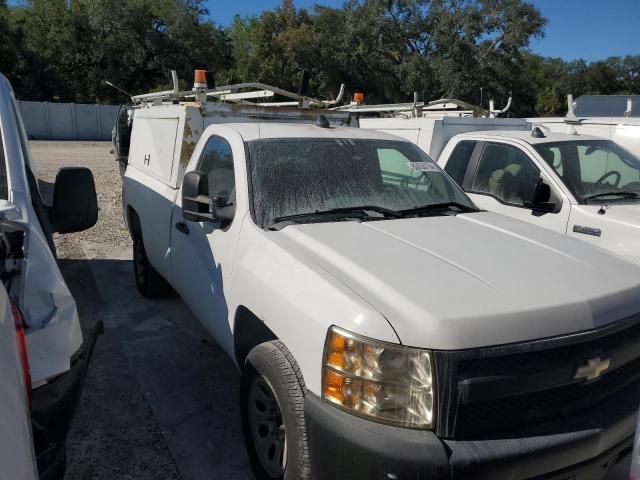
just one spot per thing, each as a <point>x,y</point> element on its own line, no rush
<point>389,48</point>
<point>8,56</point>
<point>63,50</point>
<point>70,48</point>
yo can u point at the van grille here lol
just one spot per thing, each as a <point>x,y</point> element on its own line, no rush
<point>490,392</point>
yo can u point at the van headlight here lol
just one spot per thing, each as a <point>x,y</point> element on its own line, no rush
<point>386,382</point>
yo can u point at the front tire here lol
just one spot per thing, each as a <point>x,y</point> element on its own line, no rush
<point>149,282</point>
<point>272,405</point>
<point>122,166</point>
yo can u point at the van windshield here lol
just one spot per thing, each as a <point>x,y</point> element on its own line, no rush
<point>595,171</point>
<point>308,177</point>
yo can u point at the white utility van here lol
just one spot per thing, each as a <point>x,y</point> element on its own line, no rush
<point>384,326</point>
<point>612,117</point>
<point>432,134</point>
<point>54,356</point>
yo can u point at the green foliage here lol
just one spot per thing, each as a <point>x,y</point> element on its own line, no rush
<point>70,47</point>
<point>8,51</point>
<point>389,48</point>
<point>551,79</point>
<point>62,50</point>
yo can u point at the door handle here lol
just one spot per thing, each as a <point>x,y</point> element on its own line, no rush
<point>182,227</point>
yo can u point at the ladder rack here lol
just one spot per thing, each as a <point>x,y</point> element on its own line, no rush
<point>239,93</point>
<point>419,109</point>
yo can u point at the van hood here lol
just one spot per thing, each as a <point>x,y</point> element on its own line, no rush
<point>471,280</point>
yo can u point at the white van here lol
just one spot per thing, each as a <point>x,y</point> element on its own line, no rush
<point>55,355</point>
<point>384,326</point>
<point>17,454</point>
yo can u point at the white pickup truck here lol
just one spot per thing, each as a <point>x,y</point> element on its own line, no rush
<point>582,186</point>
<point>385,327</point>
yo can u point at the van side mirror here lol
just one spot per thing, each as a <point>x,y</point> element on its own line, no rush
<point>198,206</point>
<point>75,204</point>
<point>541,198</point>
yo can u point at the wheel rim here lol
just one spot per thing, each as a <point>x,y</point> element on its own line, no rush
<point>138,261</point>
<point>267,427</point>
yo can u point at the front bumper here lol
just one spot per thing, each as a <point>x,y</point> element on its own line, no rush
<point>53,406</point>
<point>343,446</point>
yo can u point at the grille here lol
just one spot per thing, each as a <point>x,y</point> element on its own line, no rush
<point>494,391</point>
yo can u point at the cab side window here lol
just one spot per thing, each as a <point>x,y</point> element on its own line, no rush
<point>457,165</point>
<point>217,162</point>
<point>553,156</point>
<point>505,172</point>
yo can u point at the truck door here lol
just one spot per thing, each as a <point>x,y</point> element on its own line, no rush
<point>505,178</point>
<point>202,252</point>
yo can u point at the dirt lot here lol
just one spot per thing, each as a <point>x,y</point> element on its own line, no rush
<point>160,400</point>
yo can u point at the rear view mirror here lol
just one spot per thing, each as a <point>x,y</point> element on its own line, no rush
<point>75,205</point>
<point>198,206</point>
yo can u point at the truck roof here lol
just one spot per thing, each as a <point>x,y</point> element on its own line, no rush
<point>257,131</point>
<point>525,136</point>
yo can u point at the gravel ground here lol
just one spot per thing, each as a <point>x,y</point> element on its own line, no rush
<point>48,157</point>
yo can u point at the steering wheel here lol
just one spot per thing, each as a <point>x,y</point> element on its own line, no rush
<point>608,174</point>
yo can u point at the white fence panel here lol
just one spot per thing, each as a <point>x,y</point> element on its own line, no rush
<point>68,121</point>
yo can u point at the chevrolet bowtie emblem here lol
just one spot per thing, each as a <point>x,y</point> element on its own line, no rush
<point>594,368</point>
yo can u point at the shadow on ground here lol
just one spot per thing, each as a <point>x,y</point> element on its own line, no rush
<point>161,399</point>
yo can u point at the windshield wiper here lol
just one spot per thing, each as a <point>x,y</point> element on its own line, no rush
<point>455,207</point>
<point>622,193</point>
<point>363,212</point>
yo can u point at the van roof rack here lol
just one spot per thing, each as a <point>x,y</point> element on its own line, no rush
<point>419,109</point>
<point>239,93</point>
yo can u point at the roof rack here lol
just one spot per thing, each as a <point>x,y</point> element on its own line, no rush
<point>240,93</point>
<point>419,109</point>
<point>600,106</point>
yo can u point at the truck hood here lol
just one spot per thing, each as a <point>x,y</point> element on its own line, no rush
<point>619,226</point>
<point>627,214</point>
<point>472,280</point>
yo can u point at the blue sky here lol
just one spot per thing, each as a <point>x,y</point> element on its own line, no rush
<point>588,29</point>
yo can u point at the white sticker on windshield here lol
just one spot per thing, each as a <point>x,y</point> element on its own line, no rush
<point>423,166</point>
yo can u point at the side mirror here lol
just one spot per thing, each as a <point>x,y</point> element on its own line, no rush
<point>222,209</point>
<point>75,204</point>
<point>198,206</point>
<point>541,198</point>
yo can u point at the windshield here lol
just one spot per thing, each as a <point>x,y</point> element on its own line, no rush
<point>298,176</point>
<point>594,170</point>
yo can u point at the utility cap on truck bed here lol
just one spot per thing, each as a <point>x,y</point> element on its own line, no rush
<point>176,119</point>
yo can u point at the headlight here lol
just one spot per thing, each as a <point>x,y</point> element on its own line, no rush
<point>390,383</point>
